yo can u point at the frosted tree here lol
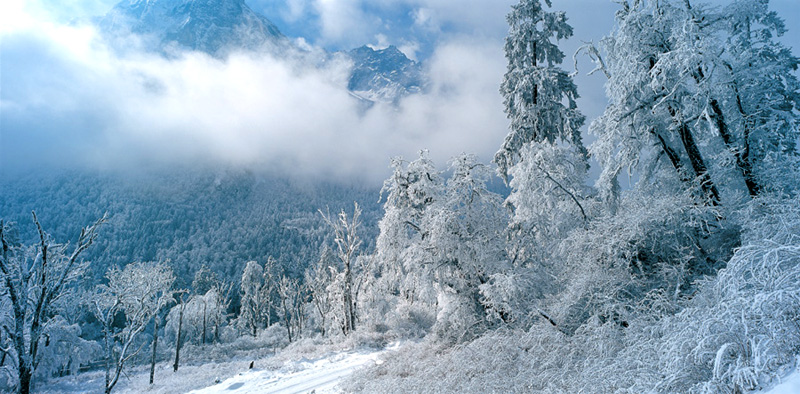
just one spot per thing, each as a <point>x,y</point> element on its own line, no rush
<point>656,59</point>
<point>411,191</point>
<point>539,97</point>
<point>139,291</point>
<point>203,314</point>
<point>252,301</point>
<point>176,313</point>
<point>205,280</point>
<point>258,286</point>
<point>758,92</point>
<point>214,304</point>
<point>345,231</point>
<point>396,282</point>
<point>543,151</point>
<point>318,279</point>
<point>467,245</point>
<point>34,279</point>
<point>292,296</point>
<point>548,194</point>
<point>272,276</point>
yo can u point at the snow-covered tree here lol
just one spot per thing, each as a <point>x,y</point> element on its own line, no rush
<point>203,315</point>
<point>205,280</point>
<point>636,129</point>
<point>756,96</point>
<point>345,231</point>
<point>256,288</point>
<point>63,350</point>
<point>548,199</point>
<point>411,191</point>
<point>33,281</point>
<point>467,245</point>
<point>318,279</point>
<point>139,291</point>
<point>293,297</point>
<point>698,94</point>
<point>539,96</point>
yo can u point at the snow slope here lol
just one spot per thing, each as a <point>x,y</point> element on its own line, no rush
<point>790,384</point>
<point>318,376</point>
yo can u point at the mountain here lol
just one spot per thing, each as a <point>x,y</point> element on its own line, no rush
<point>211,26</point>
<point>384,75</point>
<point>218,27</point>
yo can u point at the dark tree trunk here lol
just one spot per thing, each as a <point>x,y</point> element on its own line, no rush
<point>204,322</point>
<point>25,374</point>
<point>710,193</point>
<point>718,118</point>
<point>671,155</point>
<point>287,317</point>
<point>349,311</point>
<point>178,341</point>
<point>155,345</point>
<point>698,164</point>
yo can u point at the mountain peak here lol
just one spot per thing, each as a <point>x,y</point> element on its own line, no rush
<point>218,27</point>
<point>212,26</point>
<point>384,74</point>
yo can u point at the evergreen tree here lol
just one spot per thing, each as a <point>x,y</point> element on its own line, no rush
<point>539,97</point>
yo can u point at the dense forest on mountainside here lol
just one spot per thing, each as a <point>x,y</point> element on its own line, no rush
<point>217,219</point>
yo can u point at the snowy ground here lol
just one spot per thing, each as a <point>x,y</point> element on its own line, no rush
<point>318,376</point>
<point>789,384</point>
<point>269,375</point>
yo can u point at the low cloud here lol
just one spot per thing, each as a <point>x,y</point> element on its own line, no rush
<point>68,99</point>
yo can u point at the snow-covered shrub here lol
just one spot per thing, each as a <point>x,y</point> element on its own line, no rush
<point>64,350</point>
<point>733,332</point>
<point>744,325</point>
<point>612,269</point>
<point>411,320</point>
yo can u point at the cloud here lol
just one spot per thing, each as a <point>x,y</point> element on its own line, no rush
<point>349,23</point>
<point>344,21</point>
<point>68,98</point>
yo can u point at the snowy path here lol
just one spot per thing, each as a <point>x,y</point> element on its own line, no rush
<point>319,376</point>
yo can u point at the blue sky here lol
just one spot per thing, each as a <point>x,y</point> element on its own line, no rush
<point>63,92</point>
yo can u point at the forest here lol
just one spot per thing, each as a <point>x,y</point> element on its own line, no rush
<point>676,270</point>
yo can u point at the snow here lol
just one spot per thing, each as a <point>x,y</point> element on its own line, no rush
<point>303,376</point>
<point>790,384</point>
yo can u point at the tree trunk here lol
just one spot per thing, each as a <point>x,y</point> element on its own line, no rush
<point>269,308</point>
<point>698,164</point>
<point>287,317</point>
<point>25,374</point>
<point>204,322</point>
<point>155,345</point>
<point>24,369</point>
<point>349,310</point>
<point>108,342</point>
<point>671,155</point>
<point>178,342</point>
<point>318,304</point>
<point>710,193</point>
<point>718,119</point>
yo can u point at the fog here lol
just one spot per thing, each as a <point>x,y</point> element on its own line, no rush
<point>68,100</point>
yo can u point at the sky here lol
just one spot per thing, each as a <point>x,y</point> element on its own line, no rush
<point>66,99</point>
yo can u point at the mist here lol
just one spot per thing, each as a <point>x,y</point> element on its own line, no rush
<point>69,99</point>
